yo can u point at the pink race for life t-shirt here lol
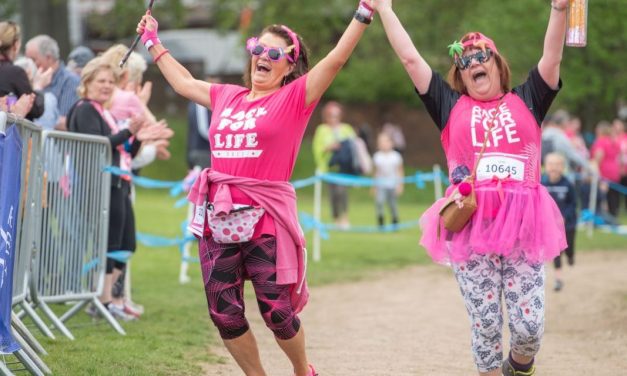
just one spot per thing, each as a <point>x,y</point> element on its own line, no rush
<point>257,139</point>
<point>609,166</point>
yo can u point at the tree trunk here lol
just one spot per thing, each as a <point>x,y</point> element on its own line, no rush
<point>47,17</point>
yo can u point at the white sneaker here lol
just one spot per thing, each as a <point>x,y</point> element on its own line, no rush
<point>118,313</point>
<point>138,308</point>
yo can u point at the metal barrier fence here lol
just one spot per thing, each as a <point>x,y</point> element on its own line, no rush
<point>62,233</point>
<point>30,137</point>
<point>29,220</point>
<point>74,225</point>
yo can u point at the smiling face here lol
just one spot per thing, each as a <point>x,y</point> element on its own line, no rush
<point>101,87</point>
<point>482,80</point>
<point>265,73</point>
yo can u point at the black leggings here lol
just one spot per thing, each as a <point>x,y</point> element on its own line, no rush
<point>570,250</point>
<point>121,224</point>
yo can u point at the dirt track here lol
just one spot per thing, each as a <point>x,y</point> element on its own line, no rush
<point>413,322</point>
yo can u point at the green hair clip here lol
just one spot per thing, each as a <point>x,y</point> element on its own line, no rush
<point>456,48</point>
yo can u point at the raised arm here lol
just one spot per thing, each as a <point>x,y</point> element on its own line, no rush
<point>322,74</point>
<point>177,76</point>
<point>417,68</point>
<point>549,65</point>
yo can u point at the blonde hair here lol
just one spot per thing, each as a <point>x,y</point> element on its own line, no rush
<point>89,72</point>
<point>604,128</point>
<point>9,35</point>
<point>557,156</point>
<point>135,65</point>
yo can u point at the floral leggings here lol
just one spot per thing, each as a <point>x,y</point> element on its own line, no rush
<point>224,267</point>
<point>482,280</point>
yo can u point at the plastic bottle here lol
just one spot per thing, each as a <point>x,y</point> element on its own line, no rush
<point>11,99</point>
<point>577,23</point>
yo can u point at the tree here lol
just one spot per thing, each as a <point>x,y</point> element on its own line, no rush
<point>125,14</point>
<point>594,77</point>
<point>46,17</point>
<point>8,8</point>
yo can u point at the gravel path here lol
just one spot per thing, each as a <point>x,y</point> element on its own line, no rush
<point>413,322</point>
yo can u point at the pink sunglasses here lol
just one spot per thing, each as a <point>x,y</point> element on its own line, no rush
<point>274,53</point>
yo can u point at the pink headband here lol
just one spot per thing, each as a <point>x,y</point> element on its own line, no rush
<point>479,40</point>
<point>294,42</point>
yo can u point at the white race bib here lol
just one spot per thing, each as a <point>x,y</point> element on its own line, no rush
<point>500,166</point>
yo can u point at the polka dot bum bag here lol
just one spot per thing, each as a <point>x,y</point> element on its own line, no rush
<point>237,226</point>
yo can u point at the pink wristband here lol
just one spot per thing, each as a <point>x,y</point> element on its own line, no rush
<point>363,3</point>
<point>364,12</point>
<point>149,38</point>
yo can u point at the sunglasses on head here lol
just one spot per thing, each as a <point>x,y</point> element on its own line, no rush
<point>463,62</point>
<point>274,53</point>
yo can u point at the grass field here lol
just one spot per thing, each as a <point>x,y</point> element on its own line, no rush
<point>172,337</point>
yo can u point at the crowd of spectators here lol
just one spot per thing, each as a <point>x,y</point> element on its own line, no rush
<point>91,94</point>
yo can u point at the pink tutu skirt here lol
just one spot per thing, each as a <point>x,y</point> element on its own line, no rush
<point>512,219</point>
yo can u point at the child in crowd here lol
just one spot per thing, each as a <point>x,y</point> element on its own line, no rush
<point>563,192</point>
<point>388,174</point>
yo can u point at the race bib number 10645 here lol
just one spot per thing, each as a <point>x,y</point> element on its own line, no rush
<point>501,167</point>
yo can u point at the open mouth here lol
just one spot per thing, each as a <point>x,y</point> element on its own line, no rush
<point>479,75</point>
<point>263,67</point>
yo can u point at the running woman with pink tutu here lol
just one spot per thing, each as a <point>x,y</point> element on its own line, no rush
<point>517,226</point>
<point>245,212</point>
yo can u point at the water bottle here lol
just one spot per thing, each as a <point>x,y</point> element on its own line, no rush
<point>11,99</point>
<point>577,23</point>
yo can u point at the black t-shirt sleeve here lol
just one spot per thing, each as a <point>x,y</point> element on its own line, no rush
<point>22,86</point>
<point>537,95</point>
<point>38,106</point>
<point>439,100</point>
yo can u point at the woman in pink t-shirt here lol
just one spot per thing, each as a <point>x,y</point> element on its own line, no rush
<point>255,135</point>
<point>605,152</point>
<point>490,134</point>
<point>621,138</point>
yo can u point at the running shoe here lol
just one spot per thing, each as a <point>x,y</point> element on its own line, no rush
<point>134,306</point>
<point>118,313</point>
<point>508,370</point>
<point>92,311</point>
<point>312,371</point>
<point>130,310</point>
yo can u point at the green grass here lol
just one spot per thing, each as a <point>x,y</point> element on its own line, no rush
<point>174,334</point>
<point>173,337</point>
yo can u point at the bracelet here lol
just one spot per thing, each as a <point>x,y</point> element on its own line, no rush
<point>361,18</point>
<point>160,54</point>
<point>364,13</point>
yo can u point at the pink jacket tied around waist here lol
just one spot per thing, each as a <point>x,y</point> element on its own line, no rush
<point>278,198</point>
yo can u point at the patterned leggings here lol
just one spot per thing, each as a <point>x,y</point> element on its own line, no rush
<point>224,267</point>
<point>482,279</point>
